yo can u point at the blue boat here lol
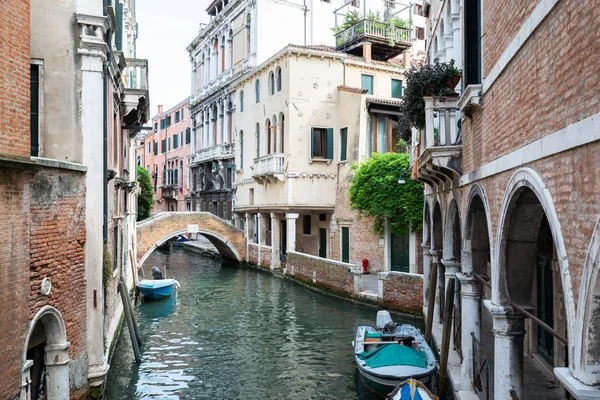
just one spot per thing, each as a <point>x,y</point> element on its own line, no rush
<point>156,288</point>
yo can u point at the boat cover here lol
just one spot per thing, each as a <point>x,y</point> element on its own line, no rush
<point>393,354</point>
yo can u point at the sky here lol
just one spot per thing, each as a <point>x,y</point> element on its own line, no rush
<point>165,29</point>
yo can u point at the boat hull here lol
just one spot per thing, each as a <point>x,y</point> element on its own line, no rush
<point>385,384</point>
<point>156,289</point>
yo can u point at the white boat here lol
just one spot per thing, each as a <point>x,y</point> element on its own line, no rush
<point>411,389</point>
<point>391,353</point>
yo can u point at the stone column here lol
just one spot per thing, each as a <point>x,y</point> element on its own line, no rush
<point>26,380</point>
<point>471,323</point>
<point>262,228</point>
<point>237,220</point>
<point>275,242</point>
<point>57,367</point>
<point>436,255</point>
<point>426,271</point>
<point>452,268</point>
<point>291,231</point>
<point>509,330</point>
<point>249,228</point>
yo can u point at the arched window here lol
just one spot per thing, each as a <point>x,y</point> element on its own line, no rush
<point>241,101</point>
<point>222,69</point>
<point>257,140</point>
<point>257,90</point>
<point>278,79</point>
<point>241,150</point>
<point>271,83</point>
<point>269,135</point>
<point>248,21</point>
<point>282,132</point>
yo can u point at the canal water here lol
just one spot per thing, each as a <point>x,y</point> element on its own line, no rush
<point>238,333</point>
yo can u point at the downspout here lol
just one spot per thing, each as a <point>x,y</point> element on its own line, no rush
<point>105,128</point>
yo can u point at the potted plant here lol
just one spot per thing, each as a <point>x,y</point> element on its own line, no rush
<point>454,75</point>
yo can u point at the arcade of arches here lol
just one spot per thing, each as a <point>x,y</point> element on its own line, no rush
<point>509,263</point>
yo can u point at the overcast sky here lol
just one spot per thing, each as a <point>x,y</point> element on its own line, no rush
<point>166,28</point>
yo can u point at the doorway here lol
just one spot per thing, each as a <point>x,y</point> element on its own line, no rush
<point>323,242</point>
<point>400,253</point>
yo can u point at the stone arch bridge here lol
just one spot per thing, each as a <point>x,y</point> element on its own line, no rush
<point>154,232</point>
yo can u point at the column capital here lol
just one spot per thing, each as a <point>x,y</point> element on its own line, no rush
<point>507,322</point>
<point>291,216</point>
<point>425,246</point>
<point>274,216</point>
<point>436,254</point>
<point>452,267</point>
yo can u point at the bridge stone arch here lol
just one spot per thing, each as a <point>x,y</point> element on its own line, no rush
<point>154,232</point>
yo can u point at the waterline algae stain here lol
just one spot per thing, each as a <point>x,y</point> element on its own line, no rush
<point>237,333</point>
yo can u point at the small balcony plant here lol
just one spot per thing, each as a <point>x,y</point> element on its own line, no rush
<point>436,79</point>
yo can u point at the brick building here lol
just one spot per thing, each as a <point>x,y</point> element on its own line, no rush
<point>165,153</point>
<point>512,195</point>
<point>64,190</point>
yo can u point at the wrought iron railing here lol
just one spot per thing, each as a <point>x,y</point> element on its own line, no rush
<point>394,34</point>
<point>483,371</point>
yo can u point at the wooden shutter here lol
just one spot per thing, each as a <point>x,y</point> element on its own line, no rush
<point>329,144</point>
<point>344,144</point>
<point>312,142</point>
<point>345,244</point>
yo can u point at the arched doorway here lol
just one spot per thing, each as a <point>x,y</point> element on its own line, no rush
<point>45,368</point>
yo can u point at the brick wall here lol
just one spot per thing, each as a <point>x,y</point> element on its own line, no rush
<point>57,240</point>
<point>253,253</point>
<point>14,275</point>
<point>14,79</point>
<point>403,291</point>
<point>265,257</point>
<point>329,274</point>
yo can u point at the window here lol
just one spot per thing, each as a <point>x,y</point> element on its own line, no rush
<point>278,78</point>
<point>321,143</point>
<point>169,144</point>
<point>355,3</point>
<point>241,150</point>
<point>241,101</point>
<point>345,244</point>
<point>163,146</point>
<point>162,123</point>
<point>156,127</point>
<point>322,217</point>
<point>176,116</point>
<point>251,197</point>
<point>420,33</point>
<point>34,86</point>
<point>472,48</point>
<point>155,147</point>
<point>271,83</point>
<point>188,136</point>
<point>306,228</point>
<point>175,141</point>
<point>366,82</point>
<point>396,88</point>
<point>418,10</point>
<point>148,147</point>
<point>257,140</point>
<point>343,144</point>
<point>168,121</point>
<point>381,138</point>
<point>257,90</point>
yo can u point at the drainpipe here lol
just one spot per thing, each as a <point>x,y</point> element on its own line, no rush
<point>105,130</point>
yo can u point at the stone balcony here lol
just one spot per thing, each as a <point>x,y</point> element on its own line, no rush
<point>216,152</point>
<point>268,168</point>
<point>387,41</point>
<point>136,95</point>
<point>169,192</point>
<point>440,156</point>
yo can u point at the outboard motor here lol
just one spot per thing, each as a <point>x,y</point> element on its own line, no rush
<point>383,319</point>
<point>156,274</point>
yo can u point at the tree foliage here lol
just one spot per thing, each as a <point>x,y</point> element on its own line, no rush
<point>375,192</point>
<point>145,195</point>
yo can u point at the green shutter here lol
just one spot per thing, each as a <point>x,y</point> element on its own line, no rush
<point>34,109</point>
<point>344,143</point>
<point>345,244</point>
<point>396,88</point>
<point>163,145</point>
<point>312,142</point>
<point>119,27</point>
<point>329,144</point>
<point>366,82</point>
<point>187,136</point>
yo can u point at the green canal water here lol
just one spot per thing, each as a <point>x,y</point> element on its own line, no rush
<point>237,333</point>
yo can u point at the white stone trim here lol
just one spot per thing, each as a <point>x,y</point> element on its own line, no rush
<point>578,134</point>
<point>579,390</point>
<point>534,19</point>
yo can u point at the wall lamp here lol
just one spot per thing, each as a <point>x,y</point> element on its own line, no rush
<point>402,181</point>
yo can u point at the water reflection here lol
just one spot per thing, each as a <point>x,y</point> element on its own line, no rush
<point>236,333</point>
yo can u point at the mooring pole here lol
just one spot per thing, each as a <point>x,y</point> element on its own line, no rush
<point>431,302</point>
<point>128,304</point>
<point>448,309</point>
<point>130,322</point>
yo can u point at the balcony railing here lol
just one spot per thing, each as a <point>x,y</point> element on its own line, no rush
<point>440,145</point>
<point>169,192</point>
<point>483,371</point>
<point>136,95</point>
<point>216,152</point>
<point>136,74</point>
<point>269,167</point>
<point>395,39</point>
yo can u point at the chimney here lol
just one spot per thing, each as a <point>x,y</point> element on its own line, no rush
<point>160,108</point>
<point>367,51</point>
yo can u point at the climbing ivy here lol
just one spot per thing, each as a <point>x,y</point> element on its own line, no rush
<point>375,192</point>
<point>145,195</point>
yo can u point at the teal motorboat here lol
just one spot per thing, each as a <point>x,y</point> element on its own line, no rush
<point>391,353</point>
<point>157,288</point>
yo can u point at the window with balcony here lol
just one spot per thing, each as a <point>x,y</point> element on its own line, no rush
<point>241,101</point>
<point>271,83</point>
<point>343,144</point>
<point>321,140</point>
<point>278,79</point>
<point>306,224</point>
<point>366,83</point>
<point>396,88</point>
<point>472,25</point>
<point>257,90</point>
